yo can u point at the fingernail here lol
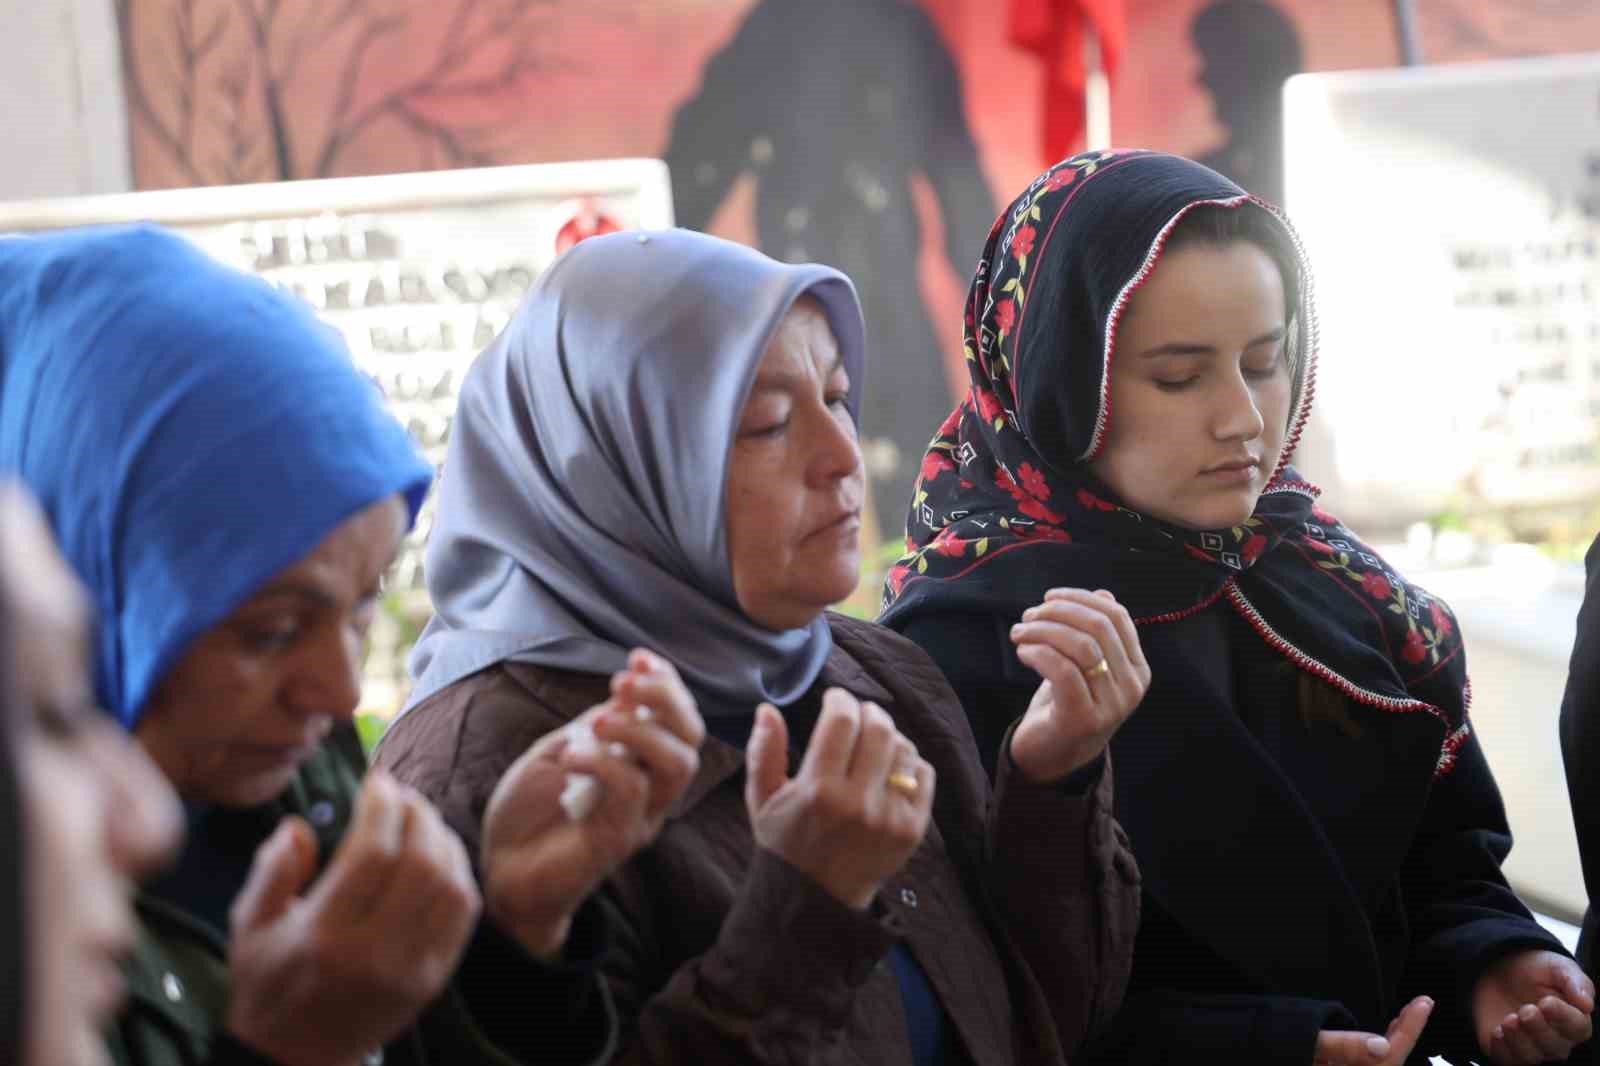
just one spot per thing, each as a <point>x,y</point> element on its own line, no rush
<point>618,751</point>
<point>1030,614</point>
<point>1016,630</point>
<point>1528,1012</point>
<point>1377,1047</point>
<point>1426,1001</point>
<point>1499,1032</point>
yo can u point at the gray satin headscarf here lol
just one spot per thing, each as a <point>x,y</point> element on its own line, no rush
<point>582,507</point>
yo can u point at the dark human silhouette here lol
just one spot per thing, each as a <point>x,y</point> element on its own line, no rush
<point>1250,49</point>
<point>835,106</point>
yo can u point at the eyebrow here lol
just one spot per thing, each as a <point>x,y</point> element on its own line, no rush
<point>772,382</point>
<point>297,590</point>
<point>1184,348</point>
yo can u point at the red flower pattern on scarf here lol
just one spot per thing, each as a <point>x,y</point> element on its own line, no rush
<point>1094,503</point>
<point>1006,315</point>
<point>935,463</point>
<point>1377,586</point>
<point>1061,179</point>
<point>989,407</point>
<point>1022,243</point>
<point>1033,481</point>
<point>1025,503</point>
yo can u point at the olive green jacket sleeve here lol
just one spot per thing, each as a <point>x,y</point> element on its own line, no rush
<point>504,1008</point>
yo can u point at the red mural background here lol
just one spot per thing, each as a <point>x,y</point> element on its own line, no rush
<point>226,91</point>
<point>376,86</point>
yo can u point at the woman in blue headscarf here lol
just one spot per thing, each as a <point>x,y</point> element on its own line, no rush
<point>231,490</point>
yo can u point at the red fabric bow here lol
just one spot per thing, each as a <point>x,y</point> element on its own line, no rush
<point>1054,31</point>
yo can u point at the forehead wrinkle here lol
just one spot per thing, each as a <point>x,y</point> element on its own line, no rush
<point>799,370</point>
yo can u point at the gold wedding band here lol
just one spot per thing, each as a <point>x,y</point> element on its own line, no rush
<point>1099,668</point>
<point>903,782</point>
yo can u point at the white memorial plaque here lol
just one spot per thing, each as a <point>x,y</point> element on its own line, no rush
<point>418,271</point>
<point>1452,215</point>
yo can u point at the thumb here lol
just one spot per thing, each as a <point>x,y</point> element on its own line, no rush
<point>766,759</point>
<point>282,867</point>
<point>1571,982</point>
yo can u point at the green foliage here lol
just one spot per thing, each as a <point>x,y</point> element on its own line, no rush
<point>370,728</point>
<point>875,564</point>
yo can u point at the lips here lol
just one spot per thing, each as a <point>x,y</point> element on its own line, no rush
<point>274,756</point>
<point>837,524</point>
<point>1233,466</point>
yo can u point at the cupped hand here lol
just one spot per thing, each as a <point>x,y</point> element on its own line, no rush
<point>1533,1006</point>
<point>322,973</point>
<point>1086,648</point>
<point>857,808</point>
<point>538,863</point>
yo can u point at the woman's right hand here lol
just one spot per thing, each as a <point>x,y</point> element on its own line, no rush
<point>1344,1048</point>
<point>538,863</point>
<point>839,820</point>
<point>324,970</point>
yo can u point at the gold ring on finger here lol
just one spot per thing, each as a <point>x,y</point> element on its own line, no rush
<point>903,782</point>
<point>1097,670</point>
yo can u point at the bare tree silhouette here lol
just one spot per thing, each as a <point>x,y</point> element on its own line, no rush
<point>234,68</point>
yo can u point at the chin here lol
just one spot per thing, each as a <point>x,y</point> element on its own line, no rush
<point>1217,514</point>
<point>837,586</point>
<point>252,790</point>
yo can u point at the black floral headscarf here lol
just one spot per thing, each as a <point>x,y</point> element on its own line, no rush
<point>1006,507</point>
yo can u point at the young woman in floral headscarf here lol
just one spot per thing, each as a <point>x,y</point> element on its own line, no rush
<point>1319,833</point>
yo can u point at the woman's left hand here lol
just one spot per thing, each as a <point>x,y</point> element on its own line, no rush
<point>1085,647</point>
<point>1533,1006</point>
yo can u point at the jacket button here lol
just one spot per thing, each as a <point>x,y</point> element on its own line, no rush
<point>322,813</point>
<point>373,1057</point>
<point>172,987</point>
<point>908,897</point>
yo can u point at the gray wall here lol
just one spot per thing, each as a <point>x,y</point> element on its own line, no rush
<point>63,121</point>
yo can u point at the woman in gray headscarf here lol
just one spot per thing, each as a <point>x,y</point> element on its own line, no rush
<point>660,452</point>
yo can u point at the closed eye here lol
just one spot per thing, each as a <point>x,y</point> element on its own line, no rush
<point>1176,386</point>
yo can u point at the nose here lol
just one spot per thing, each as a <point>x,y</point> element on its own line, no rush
<point>327,674</point>
<point>836,453</point>
<point>141,818</point>
<point>1236,416</point>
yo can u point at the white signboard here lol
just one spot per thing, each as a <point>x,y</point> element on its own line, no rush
<point>1452,215</point>
<point>418,271</point>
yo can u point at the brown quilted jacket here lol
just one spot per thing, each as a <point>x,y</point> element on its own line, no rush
<point>1020,906</point>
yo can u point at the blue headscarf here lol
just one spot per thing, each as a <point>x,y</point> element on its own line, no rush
<point>189,430</point>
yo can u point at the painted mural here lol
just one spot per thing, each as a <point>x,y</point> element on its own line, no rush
<point>876,135</point>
